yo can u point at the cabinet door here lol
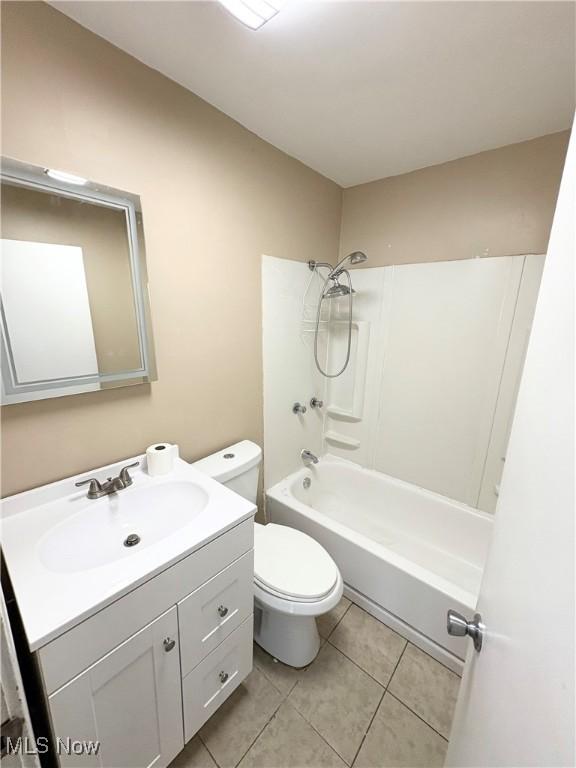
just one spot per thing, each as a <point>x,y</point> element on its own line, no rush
<point>130,701</point>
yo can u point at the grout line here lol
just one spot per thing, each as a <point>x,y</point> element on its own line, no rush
<point>356,664</point>
<point>379,703</point>
<point>363,739</point>
<point>397,664</point>
<point>260,732</point>
<point>301,670</point>
<point>266,724</point>
<point>323,642</point>
<point>436,660</point>
<point>339,620</point>
<point>400,634</point>
<point>205,747</point>
<point>417,715</point>
<point>421,650</point>
<point>317,732</point>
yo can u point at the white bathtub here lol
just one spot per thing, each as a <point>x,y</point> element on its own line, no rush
<point>406,554</point>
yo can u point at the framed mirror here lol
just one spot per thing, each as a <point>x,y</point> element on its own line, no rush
<point>74,307</point>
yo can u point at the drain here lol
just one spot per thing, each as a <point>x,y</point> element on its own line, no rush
<point>307,483</point>
<point>132,540</point>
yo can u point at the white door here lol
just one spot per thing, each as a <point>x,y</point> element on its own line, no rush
<point>516,702</point>
<point>130,700</point>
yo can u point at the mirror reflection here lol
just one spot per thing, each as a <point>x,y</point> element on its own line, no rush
<point>74,298</point>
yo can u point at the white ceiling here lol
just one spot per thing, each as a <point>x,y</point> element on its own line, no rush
<point>362,90</point>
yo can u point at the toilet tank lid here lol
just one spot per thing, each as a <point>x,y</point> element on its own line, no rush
<point>230,462</point>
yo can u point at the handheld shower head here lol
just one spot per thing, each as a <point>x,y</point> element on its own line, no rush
<point>357,257</point>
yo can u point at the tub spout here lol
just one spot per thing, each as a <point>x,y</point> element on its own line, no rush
<point>308,457</point>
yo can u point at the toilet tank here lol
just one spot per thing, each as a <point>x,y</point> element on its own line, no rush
<point>237,467</point>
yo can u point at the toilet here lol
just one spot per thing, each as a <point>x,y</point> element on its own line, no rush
<point>295,579</point>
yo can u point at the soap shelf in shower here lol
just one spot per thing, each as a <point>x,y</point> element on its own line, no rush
<point>342,440</point>
<point>342,414</point>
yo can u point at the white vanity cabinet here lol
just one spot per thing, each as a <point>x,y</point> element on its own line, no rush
<point>130,700</point>
<point>142,675</point>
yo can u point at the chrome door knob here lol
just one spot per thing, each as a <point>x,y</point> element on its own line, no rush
<point>458,626</point>
<point>168,644</point>
<point>223,676</point>
<point>222,610</point>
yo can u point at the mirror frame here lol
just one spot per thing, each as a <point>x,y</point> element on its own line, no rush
<point>20,174</point>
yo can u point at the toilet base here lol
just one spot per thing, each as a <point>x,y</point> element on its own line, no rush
<point>294,640</point>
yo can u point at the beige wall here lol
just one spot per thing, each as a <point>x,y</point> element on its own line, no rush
<point>214,197</point>
<point>496,203</point>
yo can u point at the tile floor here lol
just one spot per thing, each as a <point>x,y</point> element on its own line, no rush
<point>370,699</point>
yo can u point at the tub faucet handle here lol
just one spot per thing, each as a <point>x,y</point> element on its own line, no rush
<point>315,403</point>
<point>298,408</point>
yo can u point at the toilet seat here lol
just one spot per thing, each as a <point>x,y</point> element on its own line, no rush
<point>291,565</point>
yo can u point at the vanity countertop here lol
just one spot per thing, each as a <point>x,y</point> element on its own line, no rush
<point>66,554</point>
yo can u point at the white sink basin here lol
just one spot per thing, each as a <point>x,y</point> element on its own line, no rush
<point>97,533</point>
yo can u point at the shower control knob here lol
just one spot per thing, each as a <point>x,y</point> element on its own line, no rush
<point>315,403</point>
<point>298,408</point>
<point>458,626</point>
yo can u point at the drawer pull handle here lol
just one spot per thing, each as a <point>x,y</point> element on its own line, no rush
<point>222,610</point>
<point>169,644</point>
<point>223,676</point>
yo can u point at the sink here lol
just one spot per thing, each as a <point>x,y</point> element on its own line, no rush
<point>121,525</point>
<point>66,554</point>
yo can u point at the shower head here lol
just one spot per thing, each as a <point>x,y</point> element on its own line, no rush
<point>357,257</point>
<point>337,290</point>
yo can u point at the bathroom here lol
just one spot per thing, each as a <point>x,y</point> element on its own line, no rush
<point>287,383</point>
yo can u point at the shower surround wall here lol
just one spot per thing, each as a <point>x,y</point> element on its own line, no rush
<point>289,295</point>
<point>437,351</point>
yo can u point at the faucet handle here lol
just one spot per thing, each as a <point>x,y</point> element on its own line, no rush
<point>125,475</point>
<point>95,487</point>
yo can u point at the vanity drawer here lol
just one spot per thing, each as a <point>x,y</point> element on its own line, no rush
<point>214,679</point>
<point>214,610</point>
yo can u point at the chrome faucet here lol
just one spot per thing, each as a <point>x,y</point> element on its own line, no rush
<point>308,457</point>
<point>113,484</point>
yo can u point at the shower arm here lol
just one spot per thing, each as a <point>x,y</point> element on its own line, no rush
<point>314,265</point>
<point>336,271</point>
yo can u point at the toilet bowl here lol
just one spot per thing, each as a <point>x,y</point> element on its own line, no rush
<point>295,579</point>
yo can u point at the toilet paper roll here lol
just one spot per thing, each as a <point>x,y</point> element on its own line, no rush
<point>160,458</point>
